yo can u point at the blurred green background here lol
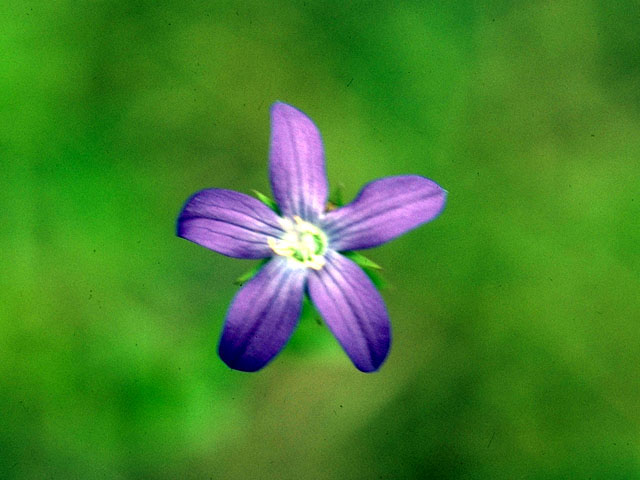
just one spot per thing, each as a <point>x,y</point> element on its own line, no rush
<point>516,348</point>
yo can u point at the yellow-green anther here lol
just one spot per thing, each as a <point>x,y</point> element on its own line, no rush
<point>302,242</point>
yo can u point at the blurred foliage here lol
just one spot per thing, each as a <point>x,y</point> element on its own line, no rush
<point>516,313</point>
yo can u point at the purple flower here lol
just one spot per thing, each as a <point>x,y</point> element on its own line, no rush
<point>303,245</point>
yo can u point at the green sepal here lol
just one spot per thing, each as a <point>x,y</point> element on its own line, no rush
<point>335,199</point>
<point>310,334</point>
<point>361,260</point>
<point>377,279</point>
<point>370,267</point>
<point>309,311</point>
<point>245,277</point>
<point>267,201</point>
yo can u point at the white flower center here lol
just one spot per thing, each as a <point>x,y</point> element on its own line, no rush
<point>302,242</point>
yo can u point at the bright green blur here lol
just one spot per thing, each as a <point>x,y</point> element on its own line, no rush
<point>515,314</point>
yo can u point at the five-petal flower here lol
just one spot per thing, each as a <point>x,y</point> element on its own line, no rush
<point>303,245</point>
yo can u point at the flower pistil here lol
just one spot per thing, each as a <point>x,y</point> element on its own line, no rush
<point>302,241</point>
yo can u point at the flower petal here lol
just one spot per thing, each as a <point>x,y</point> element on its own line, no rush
<point>384,209</point>
<point>296,163</point>
<point>262,316</point>
<point>353,309</point>
<point>229,222</point>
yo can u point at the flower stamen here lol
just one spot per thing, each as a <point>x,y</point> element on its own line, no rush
<point>302,241</point>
